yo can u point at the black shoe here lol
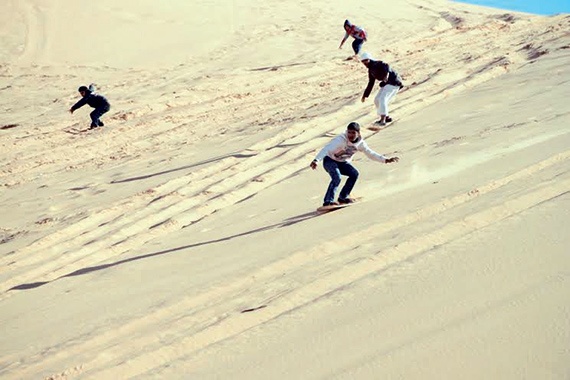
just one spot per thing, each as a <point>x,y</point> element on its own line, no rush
<point>346,201</point>
<point>92,127</point>
<point>330,204</point>
<point>388,119</point>
<point>100,123</point>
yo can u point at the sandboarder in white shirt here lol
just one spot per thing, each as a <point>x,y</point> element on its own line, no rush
<point>336,157</point>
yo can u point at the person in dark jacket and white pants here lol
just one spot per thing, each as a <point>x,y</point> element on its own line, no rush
<point>390,84</point>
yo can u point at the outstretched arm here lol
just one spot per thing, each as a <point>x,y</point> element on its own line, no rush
<point>369,87</point>
<point>376,156</point>
<point>332,146</point>
<point>79,104</point>
<point>343,41</point>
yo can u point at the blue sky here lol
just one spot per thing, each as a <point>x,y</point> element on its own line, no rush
<point>541,7</point>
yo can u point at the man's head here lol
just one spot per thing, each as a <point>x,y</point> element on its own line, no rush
<point>353,131</point>
<point>365,58</point>
<point>347,25</point>
<point>83,90</point>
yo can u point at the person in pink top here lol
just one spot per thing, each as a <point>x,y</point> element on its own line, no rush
<point>357,33</point>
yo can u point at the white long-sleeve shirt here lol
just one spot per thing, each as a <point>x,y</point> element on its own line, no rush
<point>341,149</point>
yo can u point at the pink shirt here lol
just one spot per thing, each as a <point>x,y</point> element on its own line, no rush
<point>356,32</point>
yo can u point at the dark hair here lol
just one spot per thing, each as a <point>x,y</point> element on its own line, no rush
<point>346,23</point>
<point>354,126</point>
<point>83,89</point>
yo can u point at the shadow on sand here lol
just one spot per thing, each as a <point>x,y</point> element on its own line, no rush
<point>287,222</point>
<point>277,67</point>
<point>210,160</point>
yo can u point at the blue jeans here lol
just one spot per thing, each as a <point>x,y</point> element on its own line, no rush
<point>335,170</point>
<point>96,114</point>
<point>356,45</point>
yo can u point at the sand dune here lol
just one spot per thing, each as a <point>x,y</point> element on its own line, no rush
<point>181,240</point>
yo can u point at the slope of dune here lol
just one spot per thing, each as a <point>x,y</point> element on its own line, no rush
<point>181,240</point>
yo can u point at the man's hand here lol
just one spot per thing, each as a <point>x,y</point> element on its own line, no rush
<point>363,99</point>
<point>71,111</point>
<point>313,164</point>
<point>392,159</point>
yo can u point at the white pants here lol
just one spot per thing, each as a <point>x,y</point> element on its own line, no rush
<point>381,100</point>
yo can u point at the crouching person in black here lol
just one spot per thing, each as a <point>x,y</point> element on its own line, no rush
<point>99,102</point>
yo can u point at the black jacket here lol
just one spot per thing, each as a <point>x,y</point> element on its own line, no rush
<point>94,100</point>
<point>377,71</point>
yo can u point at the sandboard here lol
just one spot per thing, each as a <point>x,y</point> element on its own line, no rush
<point>333,207</point>
<point>376,127</point>
<point>77,131</point>
<point>324,209</point>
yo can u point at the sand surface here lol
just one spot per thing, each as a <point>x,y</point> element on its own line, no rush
<point>181,240</point>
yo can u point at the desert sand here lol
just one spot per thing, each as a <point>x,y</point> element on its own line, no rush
<point>181,240</point>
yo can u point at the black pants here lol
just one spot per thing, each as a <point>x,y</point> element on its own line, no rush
<point>356,45</point>
<point>96,114</point>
